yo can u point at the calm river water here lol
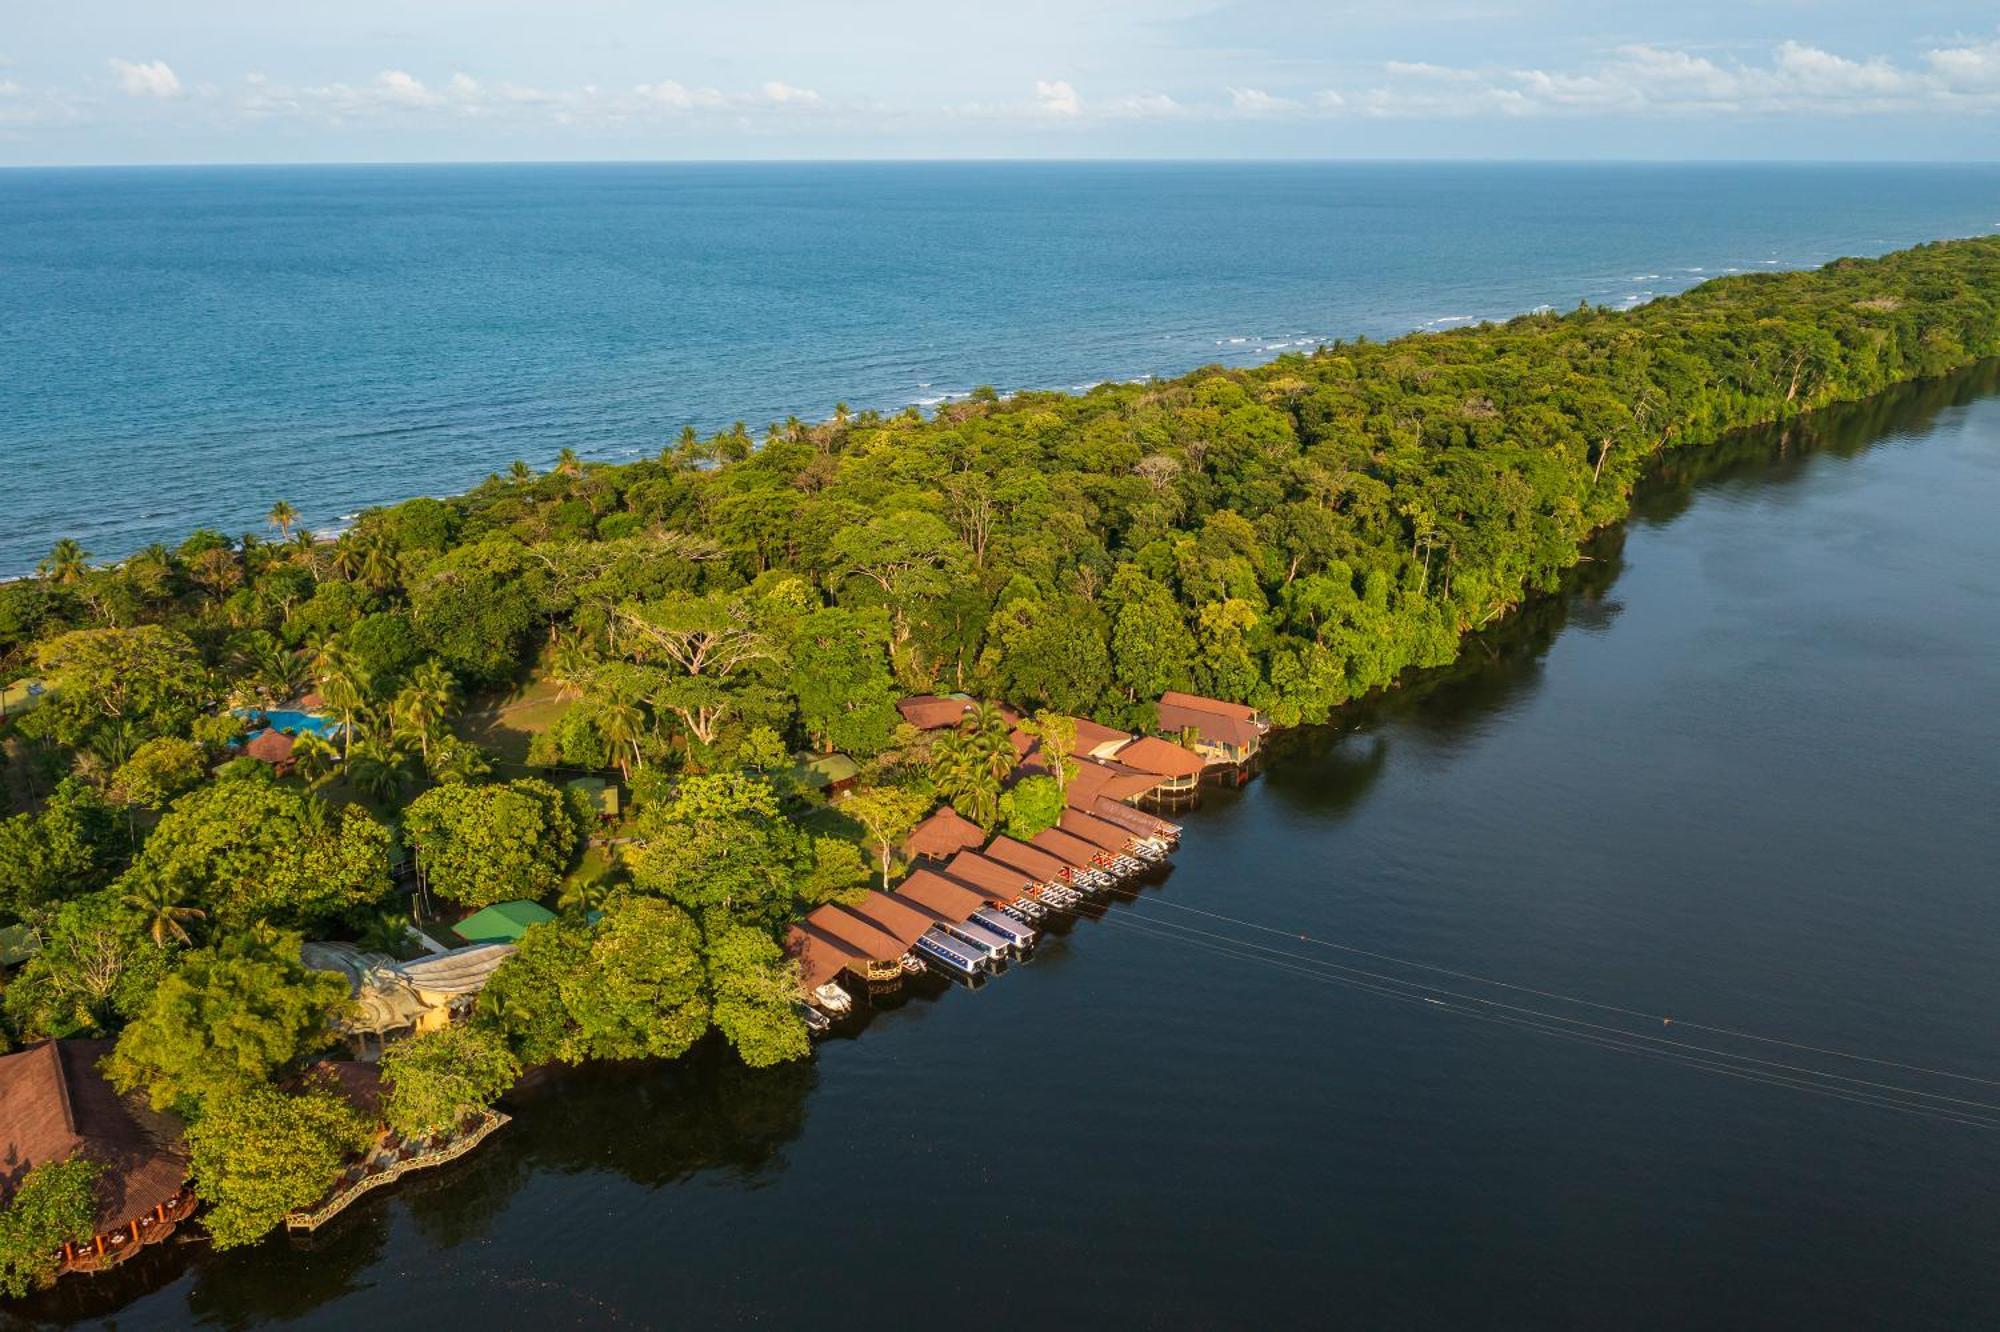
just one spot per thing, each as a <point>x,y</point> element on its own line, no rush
<point>1742,772</point>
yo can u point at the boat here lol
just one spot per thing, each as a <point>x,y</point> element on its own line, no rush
<point>817,1023</point>
<point>949,955</point>
<point>1000,923</point>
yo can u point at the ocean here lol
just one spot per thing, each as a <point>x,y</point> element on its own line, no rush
<point>184,347</point>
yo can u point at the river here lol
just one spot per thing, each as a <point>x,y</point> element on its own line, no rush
<point>1741,771</point>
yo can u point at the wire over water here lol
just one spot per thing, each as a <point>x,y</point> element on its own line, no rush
<point>1728,1063</point>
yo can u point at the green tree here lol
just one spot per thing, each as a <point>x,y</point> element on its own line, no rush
<point>889,814</point>
<point>282,516</point>
<point>478,845</point>
<point>252,849</point>
<point>755,992</point>
<point>159,771</point>
<point>1034,804</point>
<point>66,563</point>
<point>840,676</point>
<point>439,1079</point>
<point>54,1203</point>
<point>234,1015</point>
<point>259,1153</point>
<point>166,915</point>
<point>644,993</point>
<point>148,678</point>
<point>95,968</point>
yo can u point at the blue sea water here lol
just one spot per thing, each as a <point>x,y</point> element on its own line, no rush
<point>186,346</point>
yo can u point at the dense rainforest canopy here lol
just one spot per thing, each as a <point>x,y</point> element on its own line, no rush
<point>1290,536</point>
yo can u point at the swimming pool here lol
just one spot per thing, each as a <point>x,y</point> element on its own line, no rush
<point>292,723</point>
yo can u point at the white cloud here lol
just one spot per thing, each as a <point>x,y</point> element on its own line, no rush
<point>1257,102</point>
<point>784,94</point>
<point>1057,98</point>
<point>1648,80</point>
<point>149,78</point>
<point>9,88</point>
<point>680,97</point>
<point>1144,106</point>
<point>403,89</point>
<point>1967,68</point>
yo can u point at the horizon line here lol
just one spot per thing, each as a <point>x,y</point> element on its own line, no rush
<point>998,160</point>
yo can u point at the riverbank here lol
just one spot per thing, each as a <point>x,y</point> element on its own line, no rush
<point>1624,793</point>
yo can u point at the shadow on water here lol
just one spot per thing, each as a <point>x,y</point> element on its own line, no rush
<point>1328,770</point>
<point>708,1115</point>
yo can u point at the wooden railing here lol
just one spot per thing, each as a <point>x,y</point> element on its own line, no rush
<point>459,1145</point>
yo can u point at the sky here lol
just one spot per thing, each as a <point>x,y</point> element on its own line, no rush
<point>138,81</point>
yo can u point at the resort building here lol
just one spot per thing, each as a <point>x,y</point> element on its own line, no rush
<point>996,882</point>
<point>935,712</point>
<point>1177,771</point>
<point>54,1105</point>
<point>1039,866</point>
<point>820,960</point>
<point>273,747</point>
<point>394,998</point>
<point>1221,733</point>
<point>941,836</point>
<point>878,954</point>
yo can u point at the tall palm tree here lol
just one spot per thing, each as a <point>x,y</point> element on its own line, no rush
<point>67,562</point>
<point>623,726</point>
<point>567,463</point>
<point>163,910</point>
<point>520,473</point>
<point>455,760</point>
<point>282,516</point>
<point>344,687</point>
<point>422,705</point>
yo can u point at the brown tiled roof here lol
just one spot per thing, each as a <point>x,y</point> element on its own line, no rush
<point>1090,736</point>
<point>54,1104</point>
<point>943,833</point>
<point>820,958</point>
<point>1111,781</point>
<point>1152,754</point>
<point>1044,867</point>
<point>272,746</point>
<point>1213,726</point>
<point>1138,820</point>
<point>929,712</point>
<point>1090,828</point>
<point>999,883</point>
<point>894,918</point>
<point>1236,711</point>
<point>936,893</point>
<point>863,938</point>
<point>1066,847</point>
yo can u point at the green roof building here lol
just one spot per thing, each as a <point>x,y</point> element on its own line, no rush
<point>599,793</point>
<point>503,922</point>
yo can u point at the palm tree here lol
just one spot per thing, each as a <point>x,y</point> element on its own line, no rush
<point>581,896</point>
<point>378,768</point>
<point>67,562</point>
<point>378,569</point>
<point>344,687</point>
<point>963,771</point>
<point>520,473</point>
<point>570,666</point>
<point>282,516</point>
<point>623,726</point>
<point>160,906</point>
<point>313,756</point>
<point>423,704</point>
<point>347,557</point>
<point>988,732</point>
<point>567,463</point>
<point>457,761</point>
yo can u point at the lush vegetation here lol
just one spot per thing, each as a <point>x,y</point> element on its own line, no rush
<point>52,1204</point>
<point>1292,536</point>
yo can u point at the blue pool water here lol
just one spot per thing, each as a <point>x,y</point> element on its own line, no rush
<point>294,723</point>
<point>186,346</point>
